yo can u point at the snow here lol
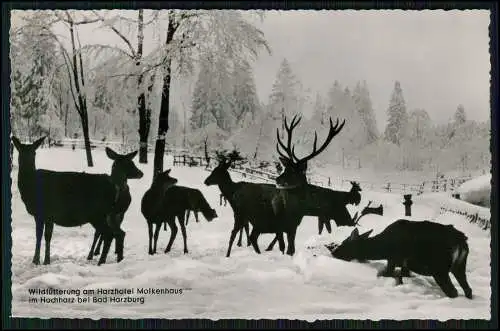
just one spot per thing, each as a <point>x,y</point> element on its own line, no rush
<point>310,285</point>
<point>477,190</point>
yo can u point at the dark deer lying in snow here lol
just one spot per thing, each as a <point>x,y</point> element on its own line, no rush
<point>73,199</point>
<point>295,194</point>
<point>251,202</point>
<point>164,202</point>
<point>426,248</point>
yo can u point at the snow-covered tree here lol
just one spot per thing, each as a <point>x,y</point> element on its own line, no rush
<point>397,120</point>
<point>460,117</point>
<point>361,96</point>
<point>191,33</point>
<point>246,102</point>
<point>284,97</point>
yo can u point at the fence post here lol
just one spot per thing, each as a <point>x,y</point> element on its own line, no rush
<point>407,203</point>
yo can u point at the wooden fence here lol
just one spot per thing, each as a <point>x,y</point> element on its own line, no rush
<point>474,217</point>
<point>269,174</point>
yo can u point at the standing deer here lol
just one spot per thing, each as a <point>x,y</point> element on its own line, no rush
<point>122,169</point>
<point>426,248</point>
<point>328,204</point>
<point>73,199</point>
<point>152,205</point>
<point>164,202</point>
<point>291,204</point>
<point>251,202</point>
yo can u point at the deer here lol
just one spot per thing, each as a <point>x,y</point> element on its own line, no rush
<point>164,202</point>
<point>292,202</point>
<point>197,203</point>
<point>251,203</point>
<point>152,205</point>
<point>123,195</point>
<point>424,247</point>
<point>72,199</point>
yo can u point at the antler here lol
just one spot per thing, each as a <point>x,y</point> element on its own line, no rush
<point>367,210</point>
<point>288,148</point>
<point>334,130</point>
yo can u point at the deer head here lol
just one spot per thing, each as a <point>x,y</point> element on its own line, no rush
<point>124,164</point>
<point>27,152</point>
<point>349,249</point>
<point>219,174</point>
<point>294,174</point>
<point>164,180</point>
<point>355,197</point>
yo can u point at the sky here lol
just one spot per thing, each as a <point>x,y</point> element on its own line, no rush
<point>441,58</point>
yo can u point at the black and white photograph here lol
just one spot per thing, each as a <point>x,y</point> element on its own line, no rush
<point>250,164</point>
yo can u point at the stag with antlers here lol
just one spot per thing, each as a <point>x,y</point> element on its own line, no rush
<point>290,204</point>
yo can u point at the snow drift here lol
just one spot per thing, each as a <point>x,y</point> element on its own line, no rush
<point>477,191</point>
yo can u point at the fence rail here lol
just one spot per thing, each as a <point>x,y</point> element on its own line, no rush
<point>184,158</point>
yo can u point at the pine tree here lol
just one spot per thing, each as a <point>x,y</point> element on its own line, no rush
<point>460,117</point>
<point>395,130</point>
<point>244,94</point>
<point>284,99</point>
<point>361,97</point>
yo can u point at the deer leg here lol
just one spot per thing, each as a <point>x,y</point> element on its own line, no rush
<point>184,237</point>
<point>239,238</point>
<point>388,271</point>
<point>173,234</point>
<point>99,243</point>
<point>39,232</point>
<point>444,282</point>
<point>165,226</point>
<point>254,236</point>
<point>231,239</point>
<point>247,231</point>
<point>328,226</point>
<point>281,242</point>
<point>150,235</point>
<point>271,245</point>
<point>187,215</point>
<point>114,222</point>
<point>320,225</point>
<point>157,232</point>
<point>108,238</point>
<point>93,252</point>
<point>119,219</point>
<point>290,235</point>
<point>458,270</point>
<point>196,216</point>
<point>49,227</point>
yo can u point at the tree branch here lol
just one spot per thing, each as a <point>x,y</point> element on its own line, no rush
<point>118,33</point>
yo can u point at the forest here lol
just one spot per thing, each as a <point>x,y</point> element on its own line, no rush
<point>119,92</point>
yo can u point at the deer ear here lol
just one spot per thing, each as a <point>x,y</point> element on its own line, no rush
<point>167,171</point>
<point>37,143</point>
<point>17,143</point>
<point>111,154</point>
<point>354,234</point>
<point>131,155</point>
<point>366,234</point>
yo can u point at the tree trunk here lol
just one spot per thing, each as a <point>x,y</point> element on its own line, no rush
<point>86,140</point>
<point>163,122</point>
<point>165,100</point>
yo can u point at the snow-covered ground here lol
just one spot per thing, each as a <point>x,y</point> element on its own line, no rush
<point>477,190</point>
<point>310,285</point>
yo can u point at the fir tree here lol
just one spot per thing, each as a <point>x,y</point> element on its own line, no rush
<point>395,130</point>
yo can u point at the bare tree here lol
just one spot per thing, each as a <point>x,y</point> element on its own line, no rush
<point>136,55</point>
